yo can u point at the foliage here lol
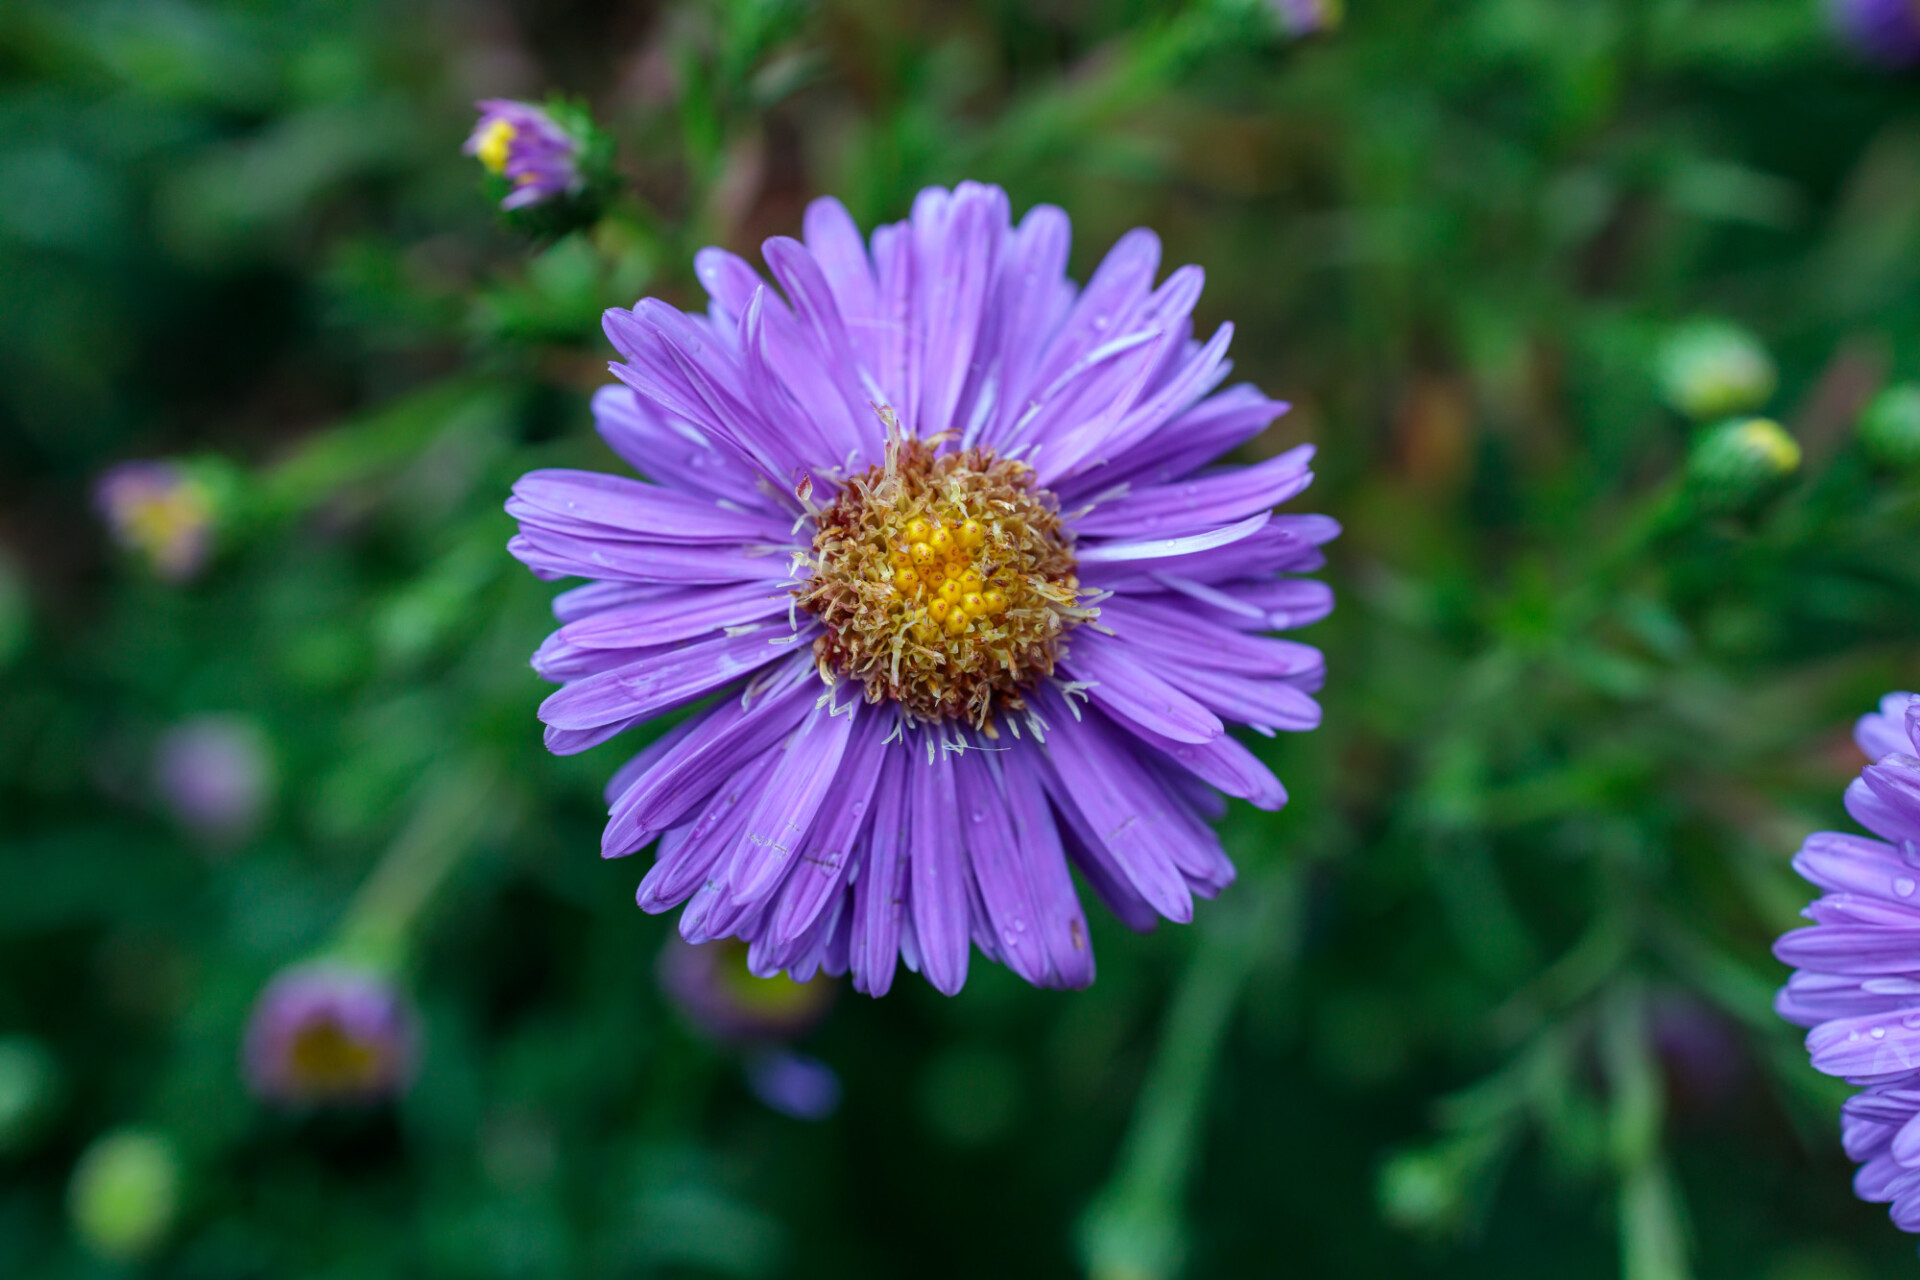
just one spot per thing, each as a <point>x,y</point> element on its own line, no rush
<point>1492,997</point>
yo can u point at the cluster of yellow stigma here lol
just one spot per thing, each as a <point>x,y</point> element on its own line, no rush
<point>945,583</point>
<point>939,569</point>
<point>496,142</point>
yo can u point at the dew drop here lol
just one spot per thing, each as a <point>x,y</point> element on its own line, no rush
<point>1878,1033</point>
<point>1904,887</point>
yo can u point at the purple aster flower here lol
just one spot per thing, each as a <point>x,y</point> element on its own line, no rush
<point>1856,982</point>
<point>935,526</point>
<point>716,991</point>
<point>160,511</point>
<point>329,1033</point>
<point>215,775</point>
<point>1882,31</point>
<point>523,144</point>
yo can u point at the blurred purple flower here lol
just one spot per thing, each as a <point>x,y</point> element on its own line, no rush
<point>1854,982</point>
<point>161,512</point>
<point>794,1084</point>
<point>330,1033</point>
<point>1701,1051</point>
<point>523,144</point>
<point>215,775</point>
<point>715,990</point>
<point>1882,31</point>
<point>915,483</point>
<point>1308,17</point>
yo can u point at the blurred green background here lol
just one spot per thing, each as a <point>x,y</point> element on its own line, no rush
<point>1492,996</point>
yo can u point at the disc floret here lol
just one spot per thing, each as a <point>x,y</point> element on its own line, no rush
<point>946,583</point>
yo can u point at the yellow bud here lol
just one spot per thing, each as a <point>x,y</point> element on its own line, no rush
<point>938,609</point>
<point>941,541</point>
<point>957,622</point>
<point>974,603</point>
<point>923,554</point>
<point>971,581</point>
<point>950,591</point>
<point>906,579</point>
<point>995,600</point>
<point>972,535</point>
<point>917,530</point>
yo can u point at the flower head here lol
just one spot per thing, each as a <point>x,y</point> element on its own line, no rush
<point>716,991</point>
<point>525,145</point>
<point>1882,31</point>
<point>329,1033</point>
<point>162,511</point>
<point>933,532</point>
<point>214,773</point>
<point>1853,983</point>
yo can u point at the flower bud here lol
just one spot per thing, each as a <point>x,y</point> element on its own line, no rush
<point>125,1194</point>
<point>1422,1191</point>
<point>1890,428</point>
<point>1708,369</point>
<point>714,990</point>
<point>215,775</point>
<point>794,1084</point>
<point>1736,463</point>
<point>550,166</point>
<point>29,1083</point>
<point>1300,18</point>
<point>16,612</point>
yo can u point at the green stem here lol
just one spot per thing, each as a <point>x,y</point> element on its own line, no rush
<point>457,805</point>
<point>1134,1229</point>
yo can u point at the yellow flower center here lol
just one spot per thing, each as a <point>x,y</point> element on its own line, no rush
<point>325,1059</point>
<point>945,583</point>
<point>495,140</point>
<point>164,524</point>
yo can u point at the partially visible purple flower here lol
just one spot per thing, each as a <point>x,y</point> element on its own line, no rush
<point>1701,1051</point>
<point>1857,978</point>
<point>794,1084</point>
<point>162,512</point>
<point>938,536</point>
<point>215,775</point>
<point>523,144</point>
<point>1308,17</point>
<point>327,1032</point>
<point>716,991</point>
<point>1882,31</point>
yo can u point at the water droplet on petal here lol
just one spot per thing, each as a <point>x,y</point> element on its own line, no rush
<point>1904,887</point>
<point>1878,1033</point>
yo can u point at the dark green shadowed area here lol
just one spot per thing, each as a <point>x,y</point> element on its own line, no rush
<point>1492,995</point>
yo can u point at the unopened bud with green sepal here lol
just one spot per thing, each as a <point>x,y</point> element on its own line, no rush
<point>1890,428</point>
<point>1709,369</point>
<point>1737,463</point>
<point>125,1194</point>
